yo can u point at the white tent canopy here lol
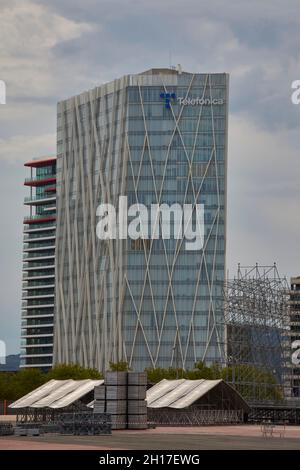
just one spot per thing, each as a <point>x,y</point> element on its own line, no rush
<point>57,394</point>
<point>176,394</point>
<point>183,393</point>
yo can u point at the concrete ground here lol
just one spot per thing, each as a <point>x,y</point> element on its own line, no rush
<point>11,418</point>
<point>244,437</point>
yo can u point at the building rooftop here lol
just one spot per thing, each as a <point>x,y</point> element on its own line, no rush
<point>152,76</point>
<point>163,70</point>
<point>40,161</point>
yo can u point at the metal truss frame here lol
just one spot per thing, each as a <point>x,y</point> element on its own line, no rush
<point>256,313</point>
<point>194,416</point>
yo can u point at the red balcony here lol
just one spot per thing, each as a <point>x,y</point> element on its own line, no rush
<point>41,162</point>
<point>38,219</point>
<point>40,180</point>
<point>50,190</point>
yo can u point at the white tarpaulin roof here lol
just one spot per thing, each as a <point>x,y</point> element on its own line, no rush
<point>178,393</point>
<point>57,393</point>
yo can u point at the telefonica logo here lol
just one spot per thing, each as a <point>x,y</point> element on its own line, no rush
<point>2,92</point>
<point>168,97</point>
<point>200,101</point>
<point>171,97</point>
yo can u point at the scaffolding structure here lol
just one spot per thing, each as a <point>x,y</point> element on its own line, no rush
<point>45,415</point>
<point>194,416</point>
<point>256,313</point>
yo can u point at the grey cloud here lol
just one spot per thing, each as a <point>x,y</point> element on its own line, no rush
<point>71,46</point>
<point>203,36</point>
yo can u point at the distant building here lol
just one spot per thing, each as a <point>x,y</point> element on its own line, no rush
<point>38,265</point>
<point>12,363</point>
<point>295,334</point>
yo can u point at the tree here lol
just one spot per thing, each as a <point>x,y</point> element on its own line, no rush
<point>119,366</point>
<point>250,381</point>
<point>19,384</point>
<point>15,385</point>
<point>73,371</point>
<point>157,374</point>
<point>201,371</point>
<point>253,383</point>
<point>7,391</point>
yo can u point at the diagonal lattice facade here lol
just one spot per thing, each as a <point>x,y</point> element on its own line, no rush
<point>149,302</point>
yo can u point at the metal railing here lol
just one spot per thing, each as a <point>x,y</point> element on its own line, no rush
<point>30,248</point>
<point>42,197</point>
<point>38,235</point>
<point>40,254</point>
<point>40,178</point>
<point>40,216</point>
<point>39,228</point>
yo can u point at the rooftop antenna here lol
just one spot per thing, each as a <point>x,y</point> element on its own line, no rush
<point>170,58</point>
<point>172,67</point>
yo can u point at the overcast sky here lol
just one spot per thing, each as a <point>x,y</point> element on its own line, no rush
<point>51,50</point>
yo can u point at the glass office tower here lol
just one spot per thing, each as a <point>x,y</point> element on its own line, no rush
<point>159,137</point>
<point>38,265</point>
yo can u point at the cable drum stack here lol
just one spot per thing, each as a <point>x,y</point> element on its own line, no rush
<point>137,405</point>
<point>84,423</point>
<point>6,428</point>
<point>116,398</point>
<point>123,398</point>
<point>99,399</point>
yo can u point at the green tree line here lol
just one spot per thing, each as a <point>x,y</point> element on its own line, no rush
<point>251,382</point>
<point>14,385</point>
